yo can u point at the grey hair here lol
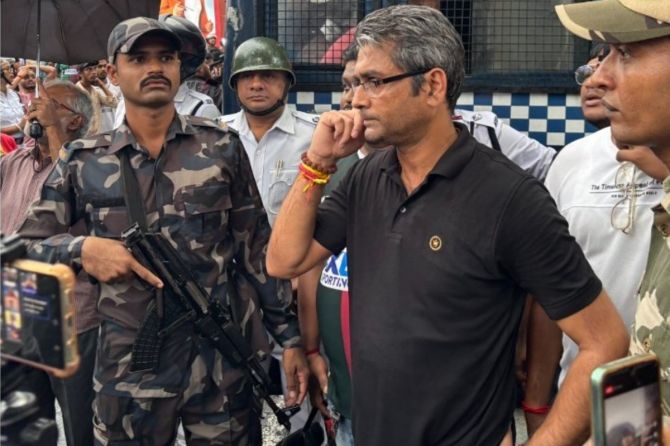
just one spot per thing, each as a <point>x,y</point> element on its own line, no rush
<point>421,38</point>
<point>80,103</point>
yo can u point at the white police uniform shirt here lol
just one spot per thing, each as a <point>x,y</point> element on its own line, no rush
<point>186,102</point>
<point>522,150</point>
<point>276,157</point>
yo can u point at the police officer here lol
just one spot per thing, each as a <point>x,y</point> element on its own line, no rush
<point>197,189</point>
<point>192,54</point>
<point>523,151</point>
<point>273,135</point>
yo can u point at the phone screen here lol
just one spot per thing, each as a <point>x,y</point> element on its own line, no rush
<point>31,319</point>
<point>633,407</point>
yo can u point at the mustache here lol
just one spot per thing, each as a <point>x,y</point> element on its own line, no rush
<point>155,78</point>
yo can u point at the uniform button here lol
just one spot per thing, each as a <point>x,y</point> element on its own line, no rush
<point>403,210</point>
<point>665,228</point>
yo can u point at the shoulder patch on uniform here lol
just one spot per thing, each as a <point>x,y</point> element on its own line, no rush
<point>485,118</point>
<point>489,119</point>
<point>306,117</point>
<point>199,121</point>
<point>200,96</point>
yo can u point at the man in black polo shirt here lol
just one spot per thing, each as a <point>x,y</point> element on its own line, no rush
<point>445,237</point>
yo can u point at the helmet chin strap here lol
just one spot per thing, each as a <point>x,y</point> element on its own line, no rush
<point>277,105</point>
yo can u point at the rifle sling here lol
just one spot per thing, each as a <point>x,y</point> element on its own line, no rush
<point>131,192</point>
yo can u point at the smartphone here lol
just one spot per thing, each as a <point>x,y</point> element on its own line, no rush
<point>626,402</point>
<point>37,323</point>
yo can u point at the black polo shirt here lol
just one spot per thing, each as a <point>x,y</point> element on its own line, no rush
<point>437,282</point>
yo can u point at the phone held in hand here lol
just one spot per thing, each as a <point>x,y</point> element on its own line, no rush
<point>38,316</point>
<point>626,402</point>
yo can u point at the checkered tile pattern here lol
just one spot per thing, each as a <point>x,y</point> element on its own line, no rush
<point>552,119</point>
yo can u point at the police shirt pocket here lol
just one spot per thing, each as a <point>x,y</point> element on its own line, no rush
<point>279,189</point>
<point>107,217</point>
<point>205,211</point>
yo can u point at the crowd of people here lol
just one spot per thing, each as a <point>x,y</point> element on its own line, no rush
<point>416,270</point>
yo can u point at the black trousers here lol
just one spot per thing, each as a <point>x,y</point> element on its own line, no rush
<point>75,394</point>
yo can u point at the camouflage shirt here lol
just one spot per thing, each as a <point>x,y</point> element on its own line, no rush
<point>651,329</point>
<point>199,193</point>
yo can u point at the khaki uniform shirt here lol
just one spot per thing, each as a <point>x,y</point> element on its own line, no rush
<point>651,329</point>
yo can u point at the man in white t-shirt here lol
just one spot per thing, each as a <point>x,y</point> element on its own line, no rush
<point>607,204</point>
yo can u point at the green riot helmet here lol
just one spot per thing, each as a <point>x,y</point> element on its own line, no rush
<point>193,46</point>
<point>260,54</point>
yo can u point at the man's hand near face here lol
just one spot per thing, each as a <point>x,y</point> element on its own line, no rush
<point>338,135</point>
<point>645,159</point>
<point>43,109</point>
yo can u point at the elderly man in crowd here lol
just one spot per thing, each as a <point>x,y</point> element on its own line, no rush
<point>63,111</point>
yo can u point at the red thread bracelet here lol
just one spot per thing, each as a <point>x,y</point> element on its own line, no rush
<point>311,352</point>
<point>542,410</point>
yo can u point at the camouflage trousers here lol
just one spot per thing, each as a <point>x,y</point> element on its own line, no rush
<point>192,385</point>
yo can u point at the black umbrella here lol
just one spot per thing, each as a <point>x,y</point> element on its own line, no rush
<point>65,31</point>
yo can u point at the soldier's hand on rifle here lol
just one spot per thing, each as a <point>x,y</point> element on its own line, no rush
<point>108,261</point>
<point>297,375</point>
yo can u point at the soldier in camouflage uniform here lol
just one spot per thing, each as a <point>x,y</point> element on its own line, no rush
<point>198,191</point>
<point>651,329</point>
<point>636,79</point>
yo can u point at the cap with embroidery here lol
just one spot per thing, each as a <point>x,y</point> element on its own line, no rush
<point>125,34</point>
<point>617,21</point>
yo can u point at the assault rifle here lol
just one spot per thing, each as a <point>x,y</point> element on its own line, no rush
<point>182,300</point>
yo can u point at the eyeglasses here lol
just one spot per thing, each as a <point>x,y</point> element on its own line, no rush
<point>622,217</point>
<point>373,87</point>
<point>584,72</point>
<point>60,104</point>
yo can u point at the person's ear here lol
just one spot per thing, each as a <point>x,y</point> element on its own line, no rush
<point>435,86</point>
<point>75,124</point>
<point>111,73</point>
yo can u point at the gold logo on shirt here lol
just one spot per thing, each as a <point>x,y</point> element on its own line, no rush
<point>435,243</point>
